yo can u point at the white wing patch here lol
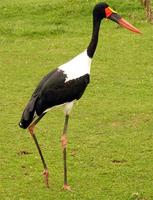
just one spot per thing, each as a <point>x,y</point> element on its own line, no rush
<point>77,67</point>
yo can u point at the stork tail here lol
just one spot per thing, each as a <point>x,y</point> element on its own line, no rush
<point>28,113</point>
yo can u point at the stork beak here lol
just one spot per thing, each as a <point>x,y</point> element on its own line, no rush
<point>112,15</point>
<point>122,22</point>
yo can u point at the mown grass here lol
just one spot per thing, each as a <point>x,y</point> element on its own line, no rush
<point>110,151</point>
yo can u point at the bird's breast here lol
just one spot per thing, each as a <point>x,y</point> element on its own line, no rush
<point>77,67</point>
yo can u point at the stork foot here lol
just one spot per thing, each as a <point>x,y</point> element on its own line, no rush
<point>46,175</point>
<point>67,187</point>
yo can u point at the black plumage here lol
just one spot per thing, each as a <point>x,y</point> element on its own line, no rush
<point>52,91</point>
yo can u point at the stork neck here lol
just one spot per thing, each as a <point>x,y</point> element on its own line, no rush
<point>94,40</point>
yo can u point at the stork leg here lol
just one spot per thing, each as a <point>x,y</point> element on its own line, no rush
<point>64,145</point>
<point>31,130</point>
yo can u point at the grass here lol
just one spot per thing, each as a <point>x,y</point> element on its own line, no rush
<point>110,151</point>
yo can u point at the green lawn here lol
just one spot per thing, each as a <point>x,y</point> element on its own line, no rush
<point>110,151</point>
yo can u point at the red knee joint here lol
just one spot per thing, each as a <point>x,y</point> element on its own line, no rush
<point>31,129</point>
<point>46,175</point>
<point>64,141</point>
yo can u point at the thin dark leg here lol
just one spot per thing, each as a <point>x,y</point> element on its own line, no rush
<point>64,144</point>
<point>31,130</point>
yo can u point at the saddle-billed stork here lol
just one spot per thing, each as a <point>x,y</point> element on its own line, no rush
<point>66,84</point>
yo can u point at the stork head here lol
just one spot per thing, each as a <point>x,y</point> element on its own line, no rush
<point>102,10</point>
